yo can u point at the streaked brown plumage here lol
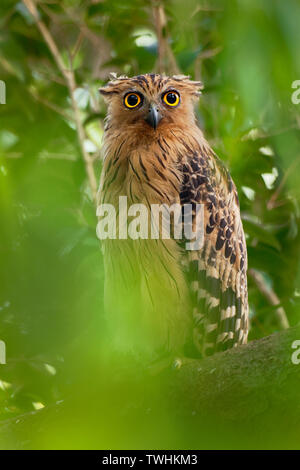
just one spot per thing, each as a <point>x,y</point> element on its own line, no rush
<point>177,298</point>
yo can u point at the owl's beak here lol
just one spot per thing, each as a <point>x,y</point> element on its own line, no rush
<point>153,117</point>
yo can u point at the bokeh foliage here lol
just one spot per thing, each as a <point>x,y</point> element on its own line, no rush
<point>246,52</point>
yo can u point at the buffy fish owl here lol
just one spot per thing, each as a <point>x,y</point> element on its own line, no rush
<point>160,296</point>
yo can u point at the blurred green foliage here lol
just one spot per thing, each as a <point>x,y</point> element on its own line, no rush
<point>246,52</point>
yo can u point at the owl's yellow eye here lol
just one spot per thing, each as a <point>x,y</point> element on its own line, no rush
<point>171,98</point>
<point>132,100</point>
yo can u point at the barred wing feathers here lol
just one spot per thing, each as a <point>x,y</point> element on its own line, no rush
<point>217,272</point>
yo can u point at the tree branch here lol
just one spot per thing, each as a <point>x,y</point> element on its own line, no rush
<point>251,391</point>
<point>271,296</point>
<point>166,60</point>
<point>69,77</point>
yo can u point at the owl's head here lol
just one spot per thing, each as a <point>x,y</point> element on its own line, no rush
<point>151,101</point>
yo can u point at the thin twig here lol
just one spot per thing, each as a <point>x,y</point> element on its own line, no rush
<point>77,45</point>
<point>206,9</point>
<point>166,60</point>
<point>81,137</point>
<point>207,54</point>
<point>48,75</point>
<point>272,203</point>
<point>52,106</point>
<point>210,53</point>
<point>271,296</point>
<point>69,76</point>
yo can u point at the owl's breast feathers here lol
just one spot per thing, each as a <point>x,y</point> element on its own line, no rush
<point>179,167</point>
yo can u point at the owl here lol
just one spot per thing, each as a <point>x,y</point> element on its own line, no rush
<point>161,297</point>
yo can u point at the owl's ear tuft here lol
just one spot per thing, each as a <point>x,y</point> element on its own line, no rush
<point>193,87</point>
<point>113,86</point>
<point>197,86</point>
<point>108,90</point>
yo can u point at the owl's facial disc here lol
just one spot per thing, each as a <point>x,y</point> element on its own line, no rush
<point>151,109</point>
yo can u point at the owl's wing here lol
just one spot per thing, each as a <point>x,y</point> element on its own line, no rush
<point>217,272</point>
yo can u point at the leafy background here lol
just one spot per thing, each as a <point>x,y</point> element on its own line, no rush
<point>246,52</point>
